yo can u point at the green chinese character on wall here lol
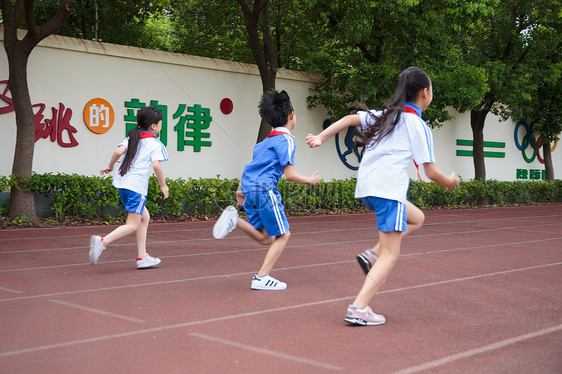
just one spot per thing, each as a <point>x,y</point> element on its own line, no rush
<point>130,117</point>
<point>535,174</point>
<point>189,127</point>
<point>522,174</point>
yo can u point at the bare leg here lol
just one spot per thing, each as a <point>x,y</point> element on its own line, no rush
<point>141,234</point>
<point>259,236</point>
<point>277,243</point>
<point>273,253</point>
<point>389,252</point>
<point>132,224</point>
<point>414,221</point>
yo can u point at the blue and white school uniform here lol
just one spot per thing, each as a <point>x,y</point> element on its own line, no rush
<point>382,173</point>
<point>263,204</point>
<point>133,186</point>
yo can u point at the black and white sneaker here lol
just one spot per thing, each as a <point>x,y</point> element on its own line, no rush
<point>267,283</point>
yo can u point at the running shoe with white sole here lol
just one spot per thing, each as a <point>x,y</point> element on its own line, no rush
<point>267,283</point>
<point>367,259</point>
<point>226,222</point>
<point>96,248</point>
<point>147,262</point>
<point>364,318</point>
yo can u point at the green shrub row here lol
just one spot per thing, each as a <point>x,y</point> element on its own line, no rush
<point>78,195</point>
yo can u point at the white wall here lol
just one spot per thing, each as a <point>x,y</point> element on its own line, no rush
<point>73,71</point>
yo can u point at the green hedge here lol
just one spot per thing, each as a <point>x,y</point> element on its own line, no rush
<point>77,195</point>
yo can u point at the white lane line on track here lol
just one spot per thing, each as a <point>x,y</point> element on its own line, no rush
<point>234,251</point>
<point>452,222</point>
<point>251,272</point>
<point>300,360</point>
<point>249,314</point>
<point>484,349</point>
<point>286,268</point>
<point>10,290</point>
<point>97,311</point>
<point>295,234</point>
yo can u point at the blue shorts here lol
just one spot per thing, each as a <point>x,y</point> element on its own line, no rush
<point>264,209</point>
<point>391,214</point>
<point>133,201</point>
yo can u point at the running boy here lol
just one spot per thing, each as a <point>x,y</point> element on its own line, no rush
<point>392,138</point>
<point>257,191</point>
<point>142,150</point>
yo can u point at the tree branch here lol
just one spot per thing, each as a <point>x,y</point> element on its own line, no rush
<point>268,46</point>
<point>282,49</point>
<point>245,9</point>
<point>56,22</point>
<point>11,17</point>
<point>259,5</point>
<point>37,33</point>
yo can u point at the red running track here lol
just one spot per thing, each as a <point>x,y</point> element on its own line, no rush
<point>474,291</point>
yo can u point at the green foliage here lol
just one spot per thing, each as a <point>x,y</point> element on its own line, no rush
<point>120,22</point>
<point>81,196</point>
<point>76,195</point>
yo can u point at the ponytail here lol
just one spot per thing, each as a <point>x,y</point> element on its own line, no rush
<point>147,116</point>
<point>410,82</point>
<point>131,151</point>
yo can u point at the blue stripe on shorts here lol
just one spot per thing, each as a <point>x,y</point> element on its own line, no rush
<point>391,214</point>
<point>265,209</point>
<point>133,201</point>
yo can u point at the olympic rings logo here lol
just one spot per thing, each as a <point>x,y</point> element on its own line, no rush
<point>529,139</point>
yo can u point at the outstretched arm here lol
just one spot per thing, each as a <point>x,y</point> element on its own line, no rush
<point>293,176</point>
<point>160,176</point>
<point>114,157</point>
<point>438,177</point>
<point>345,122</point>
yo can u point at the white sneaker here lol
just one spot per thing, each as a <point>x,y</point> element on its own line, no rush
<point>147,262</point>
<point>226,222</point>
<point>364,317</point>
<point>267,283</point>
<point>96,248</point>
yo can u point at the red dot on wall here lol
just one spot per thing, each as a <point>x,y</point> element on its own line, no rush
<point>226,106</point>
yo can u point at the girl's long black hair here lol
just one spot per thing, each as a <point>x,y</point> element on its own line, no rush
<point>145,117</point>
<point>410,82</point>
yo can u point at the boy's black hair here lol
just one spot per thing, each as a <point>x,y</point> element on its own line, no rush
<point>275,107</point>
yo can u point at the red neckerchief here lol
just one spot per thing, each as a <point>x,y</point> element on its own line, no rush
<point>275,133</point>
<point>146,134</point>
<point>409,109</point>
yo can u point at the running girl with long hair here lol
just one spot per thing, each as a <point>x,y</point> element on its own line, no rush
<point>393,137</point>
<point>142,150</point>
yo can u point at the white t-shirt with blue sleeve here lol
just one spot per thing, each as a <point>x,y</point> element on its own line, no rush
<point>382,172</point>
<point>136,179</point>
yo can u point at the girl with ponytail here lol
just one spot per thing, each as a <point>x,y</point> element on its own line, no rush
<point>142,150</point>
<point>393,137</point>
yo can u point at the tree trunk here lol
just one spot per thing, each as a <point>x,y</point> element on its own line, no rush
<point>547,156</point>
<point>268,83</point>
<point>22,202</point>
<point>263,49</point>
<point>477,119</point>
